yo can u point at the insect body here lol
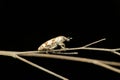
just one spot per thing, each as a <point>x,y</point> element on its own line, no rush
<point>54,42</point>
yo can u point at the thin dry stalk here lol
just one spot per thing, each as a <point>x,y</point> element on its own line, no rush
<point>69,58</point>
<point>41,68</point>
<point>95,42</point>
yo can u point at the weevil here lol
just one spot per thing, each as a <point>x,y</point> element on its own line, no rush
<point>53,43</point>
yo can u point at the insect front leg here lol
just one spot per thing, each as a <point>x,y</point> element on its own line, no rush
<point>62,45</point>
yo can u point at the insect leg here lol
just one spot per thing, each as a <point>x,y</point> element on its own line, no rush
<point>62,45</point>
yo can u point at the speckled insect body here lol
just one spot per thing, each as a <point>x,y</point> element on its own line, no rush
<point>54,42</point>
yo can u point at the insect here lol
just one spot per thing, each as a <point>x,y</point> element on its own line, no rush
<point>53,43</point>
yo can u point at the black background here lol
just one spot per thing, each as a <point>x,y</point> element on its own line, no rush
<point>27,24</point>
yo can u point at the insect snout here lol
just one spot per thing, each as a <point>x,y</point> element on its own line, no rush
<point>69,38</point>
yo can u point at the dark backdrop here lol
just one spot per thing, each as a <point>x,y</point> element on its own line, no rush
<point>27,24</point>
